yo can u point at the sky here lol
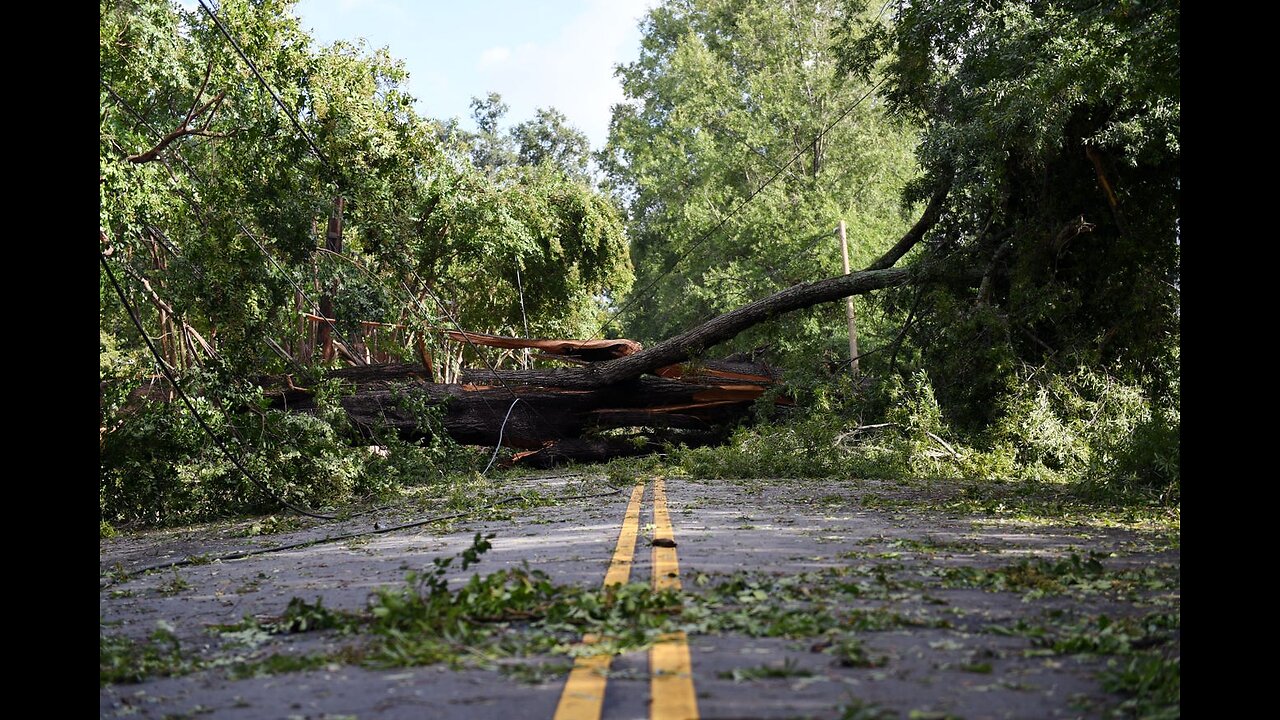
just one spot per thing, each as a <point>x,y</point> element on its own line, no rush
<point>536,54</point>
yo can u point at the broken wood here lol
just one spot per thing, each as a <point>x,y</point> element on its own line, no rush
<point>694,404</point>
<point>474,412</point>
<point>642,390</point>
<point>714,331</point>
<point>585,350</point>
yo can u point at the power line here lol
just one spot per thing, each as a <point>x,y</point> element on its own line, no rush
<point>376,530</point>
<point>289,114</point>
<point>500,431</point>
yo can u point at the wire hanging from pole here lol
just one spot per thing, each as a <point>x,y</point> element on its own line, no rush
<point>501,429</point>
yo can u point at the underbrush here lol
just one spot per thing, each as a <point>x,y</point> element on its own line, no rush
<point>158,466</point>
<point>1103,438</point>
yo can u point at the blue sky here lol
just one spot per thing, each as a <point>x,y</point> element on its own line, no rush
<point>539,53</point>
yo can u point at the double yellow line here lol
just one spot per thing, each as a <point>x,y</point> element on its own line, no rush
<point>670,666</point>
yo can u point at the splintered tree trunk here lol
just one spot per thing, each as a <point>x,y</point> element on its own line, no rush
<point>558,414</point>
<point>171,347</point>
<point>529,417</point>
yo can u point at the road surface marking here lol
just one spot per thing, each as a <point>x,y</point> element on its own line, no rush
<point>670,667</point>
<point>583,696</point>
<point>620,567</point>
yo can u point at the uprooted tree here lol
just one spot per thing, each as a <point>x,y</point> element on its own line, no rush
<point>552,411</point>
<point>1050,243</point>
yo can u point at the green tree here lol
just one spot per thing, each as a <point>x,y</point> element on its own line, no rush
<point>240,207</point>
<point>729,96</point>
<point>490,147</point>
<point>1053,127</point>
<point>549,138</point>
<point>214,198</point>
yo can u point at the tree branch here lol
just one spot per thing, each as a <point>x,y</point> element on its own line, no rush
<point>185,129</point>
<point>163,306</point>
<point>693,342</point>
<point>913,236</point>
<point>1096,158</point>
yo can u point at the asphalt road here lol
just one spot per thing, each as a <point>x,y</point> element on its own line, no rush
<point>949,653</point>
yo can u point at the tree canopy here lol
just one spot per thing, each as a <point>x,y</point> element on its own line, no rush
<point>261,192</point>
<point>219,176</point>
<point>1053,129</point>
<point>239,208</point>
<point>1043,321</point>
<point>738,150</point>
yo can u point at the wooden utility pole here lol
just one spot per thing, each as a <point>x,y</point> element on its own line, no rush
<point>848,303</point>
<point>332,243</point>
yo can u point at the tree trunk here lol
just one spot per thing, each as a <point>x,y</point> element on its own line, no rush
<point>526,416</point>
<point>557,413</point>
<point>693,342</point>
<point>332,243</point>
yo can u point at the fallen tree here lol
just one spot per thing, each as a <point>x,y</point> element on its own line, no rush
<point>693,403</point>
<point>559,414</point>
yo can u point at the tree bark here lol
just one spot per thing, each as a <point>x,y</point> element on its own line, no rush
<point>932,213</point>
<point>332,243</point>
<point>524,416</point>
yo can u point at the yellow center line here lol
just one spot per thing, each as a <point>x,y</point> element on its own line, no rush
<point>670,666</point>
<point>583,696</point>
<point>620,567</point>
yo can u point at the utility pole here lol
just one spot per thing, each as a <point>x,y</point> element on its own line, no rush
<point>848,303</point>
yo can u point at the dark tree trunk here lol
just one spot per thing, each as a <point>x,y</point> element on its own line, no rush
<point>526,416</point>
<point>693,342</point>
